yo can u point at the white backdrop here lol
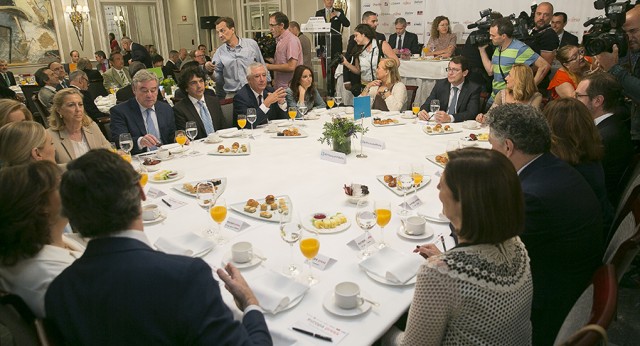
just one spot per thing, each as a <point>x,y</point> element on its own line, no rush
<point>420,13</point>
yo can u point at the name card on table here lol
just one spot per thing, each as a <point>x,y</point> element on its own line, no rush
<point>333,156</point>
<point>373,143</point>
<point>173,203</point>
<point>413,202</point>
<point>316,325</point>
<point>154,193</point>
<point>363,241</point>
<point>236,225</point>
<point>322,262</point>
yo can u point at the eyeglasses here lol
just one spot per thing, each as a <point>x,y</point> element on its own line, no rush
<point>451,69</point>
<point>273,25</point>
<point>577,95</point>
<point>576,57</point>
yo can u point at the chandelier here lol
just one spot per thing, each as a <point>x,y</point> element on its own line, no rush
<point>78,15</point>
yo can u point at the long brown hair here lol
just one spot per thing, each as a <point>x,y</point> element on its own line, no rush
<point>434,26</point>
<point>295,82</point>
<point>524,85</point>
<point>574,136</point>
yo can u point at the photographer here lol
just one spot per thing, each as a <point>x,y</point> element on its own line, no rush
<point>477,73</point>
<point>509,51</point>
<point>626,69</point>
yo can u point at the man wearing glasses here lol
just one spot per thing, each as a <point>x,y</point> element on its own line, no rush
<point>288,50</point>
<point>459,99</point>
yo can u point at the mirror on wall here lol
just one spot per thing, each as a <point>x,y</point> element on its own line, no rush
<point>138,21</point>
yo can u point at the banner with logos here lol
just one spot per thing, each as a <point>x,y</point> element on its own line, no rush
<point>420,13</point>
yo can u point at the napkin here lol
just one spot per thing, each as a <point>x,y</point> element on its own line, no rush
<point>275,291</point>
<point>171,146</point>
<point>188,244</point>
<point>393,265</point>
<point>228,133</point>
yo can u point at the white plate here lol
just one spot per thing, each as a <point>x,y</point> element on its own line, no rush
<point>155,156</point>
<point>440,218</point>
<point>398,123</point>
<point>275,215</point>
<point>219,189</point>
<point>152,168</point>
<point>454,130</point>
<point>302,135</point>
<point>180,150</point>
<point>160,218</point>
<point>329,303</point>
<point>177,177</point>
<point>231,134</point>
<point>478,136</point>
<point>467,142</point>
<point>412,117</point>
<point>382,280</point>
<point>425,180</point>
<point>308,224</point>
<point>426,235</point>
<point>254,261</point>
<point>432,158</point>
<point>231,153</point>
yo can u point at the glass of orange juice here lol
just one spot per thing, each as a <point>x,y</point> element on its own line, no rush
<point>144,175</point>
<point>181,139</point>
<point>415,108</point>
<point>383,216</point>
<point>242,122</point>
<point>218,212</point>
<point>310,246</point>
<point>331,102</point>
<point>417,172</point>
<point>293,111</point>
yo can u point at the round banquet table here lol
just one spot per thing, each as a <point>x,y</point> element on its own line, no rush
<point>423,74</point>
<point>293,167</point>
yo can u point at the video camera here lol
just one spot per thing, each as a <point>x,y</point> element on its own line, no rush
<point>607,31</point>
<point>523,23</point>
<point>480,37</point>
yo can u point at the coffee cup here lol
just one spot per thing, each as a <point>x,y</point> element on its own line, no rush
<point>347,295</point>
<point>162,153</point>
<point>150,212</point>
<point>408,113</point>
<point>415,225</point>
<point>242,252</point>
<point>213,137</point>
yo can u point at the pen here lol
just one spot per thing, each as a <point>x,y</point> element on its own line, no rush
<point>165,202</point>
<point>442,241</point>
<point>318,336</point>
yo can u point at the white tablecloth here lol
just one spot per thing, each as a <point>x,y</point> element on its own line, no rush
<point>423,74</point>
<point>293,167</point>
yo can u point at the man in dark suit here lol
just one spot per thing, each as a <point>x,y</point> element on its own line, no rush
<point>558,22</point>
<point>602,94</point>
<point>138,52</point>
<point>126,93</point>
<point>170,67</point>
<point>80,81</point>
<point>58,69</point>
<point>149,122</point>
<point>408,40</point>
<point>563,228</point>
<point>338,20</point>
<point>205,110</point>
<point>121,291</point>
<point>268,103</point>
<point>459,99</point>
<point>6,77</point>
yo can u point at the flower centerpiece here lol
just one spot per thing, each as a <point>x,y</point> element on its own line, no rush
<point>168,84</point>
<point>404,54</point>
<point>339,131</point>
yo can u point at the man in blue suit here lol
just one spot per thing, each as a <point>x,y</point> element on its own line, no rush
<point>121,291</point>
<point>563,228</point>
<point>149,122</point>
<point>269,104</point>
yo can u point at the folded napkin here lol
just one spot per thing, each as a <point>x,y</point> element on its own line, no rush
<point>228,133</point>
<point>275,291</point>
<point>393,265</point>
<point>188,244</point>
<point>171,146</point>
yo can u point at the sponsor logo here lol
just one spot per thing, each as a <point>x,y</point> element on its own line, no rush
<point>419,13</point>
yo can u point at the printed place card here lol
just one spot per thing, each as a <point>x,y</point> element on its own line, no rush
<point>414,202</point>
<point>373,143</point>
<point>154,193</point>
<point>333,156</point>
<point>236,224</point>
<point>322,262</point>
<point>363,241</point>
<point>173,203</point>
<point>316,325</point>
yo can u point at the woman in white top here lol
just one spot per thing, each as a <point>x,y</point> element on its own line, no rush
<point>72,131</point>
<point>479,292</point>
<point>33,250</point>
<point>387,92</point>
<point>368,54</point>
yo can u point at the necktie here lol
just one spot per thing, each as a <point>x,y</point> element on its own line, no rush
<point>151,127</point>
<point>328,14</point>
<point>400,42</point>
<point>259,100</point>
<point>6,78</point>
<point>206,118</point>
<point>454,101</point>
<point>123,77</point>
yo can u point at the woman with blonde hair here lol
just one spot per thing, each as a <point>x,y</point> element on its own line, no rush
<point>71,129</point>
<point>520,88</point>
<point>23,142</point>
<point>442,42</point>
<point>574,67</point>
<point>12,111</point>
<point>387,92</point>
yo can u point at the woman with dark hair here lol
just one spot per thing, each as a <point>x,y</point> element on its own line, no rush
<point>442,42</point>
<point>574,67</point>
<point>302,90</point>
<point>33,250</point>
<point>576,140</point>
<point>480,291</point>
<point>113,43</point>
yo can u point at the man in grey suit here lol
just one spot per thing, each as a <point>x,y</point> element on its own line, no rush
<point>406,39</point>
<point>204,109</point>
<point>118,75</point>
<point>49,79</point>
<point>459,99</point>
<point>558,22</point>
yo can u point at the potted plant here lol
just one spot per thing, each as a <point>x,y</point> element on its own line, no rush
<point>339,131</point>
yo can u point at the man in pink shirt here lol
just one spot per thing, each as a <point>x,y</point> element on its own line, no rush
<point>288,50</point>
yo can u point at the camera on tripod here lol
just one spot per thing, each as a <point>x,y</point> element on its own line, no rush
<point>480,37</point>
<point>607,31</point>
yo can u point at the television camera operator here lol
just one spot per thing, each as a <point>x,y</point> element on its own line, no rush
<point>480,37</point>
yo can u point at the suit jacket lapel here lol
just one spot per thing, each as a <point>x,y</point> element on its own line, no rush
<point>66,144</point>
<point>196,117</point>
<point>444,104</point>
<point>136,116</point>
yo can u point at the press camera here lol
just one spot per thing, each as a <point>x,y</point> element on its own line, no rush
<point>607,31</point>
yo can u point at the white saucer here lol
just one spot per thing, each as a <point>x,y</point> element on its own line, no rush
<point>404,116</point>
<point>180,150</point>
<point>329,304</point>
<point>160,218</point>
<point>254,261</point>
<point>291,305</point>
<point>437,219</point>
<point>427,234</point>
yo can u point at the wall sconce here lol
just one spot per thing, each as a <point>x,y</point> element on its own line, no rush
<point>78,15</point>
<point>119,20</point>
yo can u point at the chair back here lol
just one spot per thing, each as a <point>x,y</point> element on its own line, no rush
<point>596,306</point>
<point>412,90</point>
<point>16,322</point>
<point>227,111</point>
<point>96,88</point>
<point>42,113</point>
<point>484,98</point>
<point>104,123</point>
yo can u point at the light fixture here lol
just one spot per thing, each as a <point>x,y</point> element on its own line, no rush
<point>78,15</point>
<point>120,22</point>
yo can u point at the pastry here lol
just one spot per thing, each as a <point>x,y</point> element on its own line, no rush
<point>252,202</point>
<point>274,206</point>
<point>263,206</point>
<point>388,178</point>
<point>265,214</point>
<point>250,209</point>
<point>269,199</point>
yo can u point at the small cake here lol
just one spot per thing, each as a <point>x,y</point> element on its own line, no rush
<point>265,214</point>
<point>263,206</point>
<point>250,209</point>
<point>252,203</point>
<point>269,199</point>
